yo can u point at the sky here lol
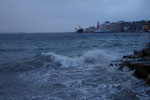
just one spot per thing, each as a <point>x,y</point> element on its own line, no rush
<point>65,15</point>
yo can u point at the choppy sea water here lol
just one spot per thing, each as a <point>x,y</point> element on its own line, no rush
<point>69,66</point>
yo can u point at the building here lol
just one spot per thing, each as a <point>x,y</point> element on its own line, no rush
<point>91,29</point>
<point>98,25</point>
<point>120,26</point>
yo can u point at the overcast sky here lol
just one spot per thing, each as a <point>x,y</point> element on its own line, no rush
<point>65,15</point>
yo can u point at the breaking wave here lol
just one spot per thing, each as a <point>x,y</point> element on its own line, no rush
<point>53,60</point>
<point>96,57</point>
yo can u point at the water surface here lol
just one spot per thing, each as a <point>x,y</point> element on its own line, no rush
<point>69,66</point>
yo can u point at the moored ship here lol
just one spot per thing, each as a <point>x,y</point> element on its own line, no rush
<point>79,29</point>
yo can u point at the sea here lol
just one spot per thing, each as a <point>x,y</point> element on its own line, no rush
<point>69,66</point>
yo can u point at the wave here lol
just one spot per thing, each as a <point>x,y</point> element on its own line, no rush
<point>88,58</point>
<point>57,66</point>
<point>53,60</point>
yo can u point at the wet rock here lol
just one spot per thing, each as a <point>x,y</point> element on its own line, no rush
<point>110,65</point>
<point>148,45</point>
<point>148,79</point>
<point>128,57</point>
<point>146,52</point>
<point>128,64</point>
<point>139,62</point>
<point>138,54</point>
<point>125,57</point>
<point>141,70</point>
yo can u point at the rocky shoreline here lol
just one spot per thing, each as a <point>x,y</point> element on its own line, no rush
<point>139,62</point>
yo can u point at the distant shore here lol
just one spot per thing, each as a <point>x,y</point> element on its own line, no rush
<point>111,32</point>
<point>120,26</point>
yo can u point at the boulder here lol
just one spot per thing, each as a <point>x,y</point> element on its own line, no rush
<point>128,64</point>
<point>148,45</point>
<point>110,65</point>
<point>146,52</point>
<point>138,54</point>
<point>141,70</point>
<point>139,62</point>
<point>128,57</point>
<point>148,79</point>
<point>125,57</point>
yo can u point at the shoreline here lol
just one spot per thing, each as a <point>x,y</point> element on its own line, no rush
<point>108,32</point>
<point>139,62</point>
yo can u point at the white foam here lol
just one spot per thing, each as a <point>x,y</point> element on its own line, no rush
<point>64,61</point>
<point>92,57</point>
<point>85,62</point>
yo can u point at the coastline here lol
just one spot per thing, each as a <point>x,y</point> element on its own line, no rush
<point>109,32</point>
<point>139,62</point>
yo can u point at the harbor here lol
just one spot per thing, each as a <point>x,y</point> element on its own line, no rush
<point>117,27</point>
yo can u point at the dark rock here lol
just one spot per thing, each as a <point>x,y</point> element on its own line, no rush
<point>128,64</point>
<point>148,45</point>
<point>128,57</point>
<point>138,54</point>
<point>131,57</point>
<point>125,57</point>
<point>146,52</point>
<point>110,65</point>
<point>141,70</point>
<point>148,79</point>
<point>139,62</point>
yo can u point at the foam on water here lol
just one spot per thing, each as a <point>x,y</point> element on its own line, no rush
<point>85,62</point>
<point>88,58</point>
<point>69,67</point>
<point>86,76</point>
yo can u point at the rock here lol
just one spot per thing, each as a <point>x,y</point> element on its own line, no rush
<point>148,45</point>
<point>138,54</point>
<point>131,57</point>
<point>139,62</point>
<point>128,64</point>
<point>128,57</point>
<point>146,52</point>
<point>148,79</point>
<point>141,70</point>
<point>110,65</point>
<point>125,57</point>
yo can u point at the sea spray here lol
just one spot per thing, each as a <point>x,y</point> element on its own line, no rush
<point>90,57</point>
<point>56,65</point>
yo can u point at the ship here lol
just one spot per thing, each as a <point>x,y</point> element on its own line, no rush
<point>100,31</point>
<point>79,29</point>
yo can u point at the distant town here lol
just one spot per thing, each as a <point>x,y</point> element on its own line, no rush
<point>117,27</point>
